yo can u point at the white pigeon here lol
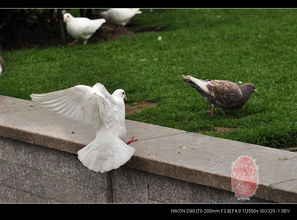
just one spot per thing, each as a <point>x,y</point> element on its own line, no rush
<point>81,28</point>
<point>2,63</point>
<point>104,112</point>
<point>120,16</point>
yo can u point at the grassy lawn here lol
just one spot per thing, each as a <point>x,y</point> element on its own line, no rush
<point>255,45</point>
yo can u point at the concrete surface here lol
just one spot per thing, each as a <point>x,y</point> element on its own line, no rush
<point>168,153</point>
<point>35,174</point>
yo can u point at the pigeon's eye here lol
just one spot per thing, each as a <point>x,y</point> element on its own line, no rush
<point>123,93</point>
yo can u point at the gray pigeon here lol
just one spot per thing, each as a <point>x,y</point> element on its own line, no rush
<point>222,93</point>
<point>1,65</point>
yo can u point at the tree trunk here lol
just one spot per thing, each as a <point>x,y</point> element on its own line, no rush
<point>81,12</point>
<point>86,13</point>
<point>62,27</point>
<point>4,19</point>
<point>89,14</point>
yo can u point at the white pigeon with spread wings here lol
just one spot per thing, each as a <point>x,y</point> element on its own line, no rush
<point>96,107</point>
<point>81,28</point>
<point>120,16</point>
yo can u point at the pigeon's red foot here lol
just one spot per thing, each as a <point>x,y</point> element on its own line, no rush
<point>212,113</point>
<point>73,43</point>
<point>133,139</point>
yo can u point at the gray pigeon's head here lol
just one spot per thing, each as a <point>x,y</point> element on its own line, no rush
<point>119,93</point>
<point>249,88</point>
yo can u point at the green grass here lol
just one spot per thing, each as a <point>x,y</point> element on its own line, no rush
<point>256,45</point>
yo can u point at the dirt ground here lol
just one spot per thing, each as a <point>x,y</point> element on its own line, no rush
<point>138,107</point>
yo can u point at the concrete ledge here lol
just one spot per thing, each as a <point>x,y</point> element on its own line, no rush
<point>168,152</point>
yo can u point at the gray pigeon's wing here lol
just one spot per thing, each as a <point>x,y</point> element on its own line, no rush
<point>226,92</point>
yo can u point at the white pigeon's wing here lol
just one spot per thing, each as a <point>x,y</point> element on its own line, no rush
<point>87,26</point>
<point>82,103</point>
<point>99,88</point>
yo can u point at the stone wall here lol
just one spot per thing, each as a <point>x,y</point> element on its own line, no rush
<point>35,174</point>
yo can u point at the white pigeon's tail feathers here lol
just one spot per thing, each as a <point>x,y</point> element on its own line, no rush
<point>103,14</point>
<point>136,10</point>
<point>98,22</point>
<point>104,153</point>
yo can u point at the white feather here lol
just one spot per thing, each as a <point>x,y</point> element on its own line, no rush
<point>96,107</point>
<point>104,154</point>
<point>120,16</point>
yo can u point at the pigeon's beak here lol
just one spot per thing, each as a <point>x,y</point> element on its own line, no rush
<point>125,97</point>
<point>256,91</point>
<point>65,18</point>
